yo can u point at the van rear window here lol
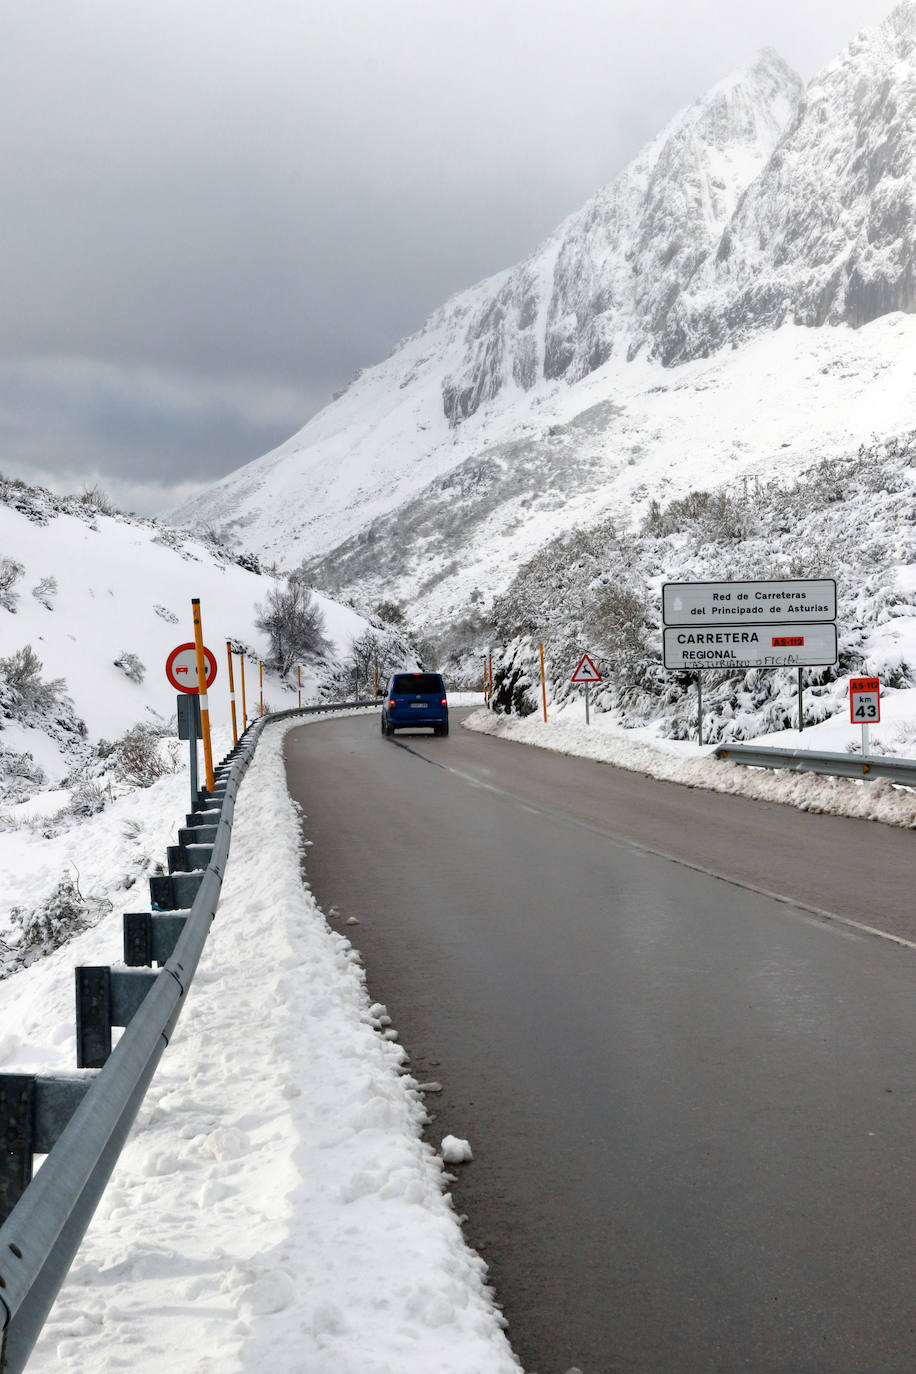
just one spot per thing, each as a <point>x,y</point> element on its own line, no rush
<point>427,684</point>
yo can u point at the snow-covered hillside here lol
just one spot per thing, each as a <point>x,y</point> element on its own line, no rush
<point>87,591</point>
<point>766,218</point>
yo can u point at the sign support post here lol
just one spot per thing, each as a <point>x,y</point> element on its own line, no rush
<point>586,704</point>
<point>801,704</point>
<point>202,692</point>
<point>261,674</point>
<point>192,742</point>
<point>700,706</point>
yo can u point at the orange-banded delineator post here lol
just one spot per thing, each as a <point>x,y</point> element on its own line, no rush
<point>202,692</point>
<point>543,684</point>
<point>235,728</point>
<point>261,670</point>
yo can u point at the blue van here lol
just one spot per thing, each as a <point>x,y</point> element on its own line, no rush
<point>415,699</point>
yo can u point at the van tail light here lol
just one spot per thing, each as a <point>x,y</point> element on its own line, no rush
<point>444,701</point>
<point>392,703</point>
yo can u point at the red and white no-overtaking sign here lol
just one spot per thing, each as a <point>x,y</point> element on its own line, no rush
<point>181,668</point>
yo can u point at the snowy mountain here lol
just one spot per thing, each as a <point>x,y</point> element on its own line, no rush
<point>596,374</point>
<point>827,233</point>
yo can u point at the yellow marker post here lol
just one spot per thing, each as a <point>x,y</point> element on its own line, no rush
<point>543,684</point>
<point>299,679</point>
<point>235,728</point>
<point>261,670</point>
<point>202,692</point>
<point>244,704</point>
<point>486,699</point>
<point>491,682</point>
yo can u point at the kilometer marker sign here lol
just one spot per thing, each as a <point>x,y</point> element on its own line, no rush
<point>865,700</point>
<point>586,671</point>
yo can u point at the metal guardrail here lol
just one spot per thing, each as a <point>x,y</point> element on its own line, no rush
<point>901,771</point>
<point>81,1123</point>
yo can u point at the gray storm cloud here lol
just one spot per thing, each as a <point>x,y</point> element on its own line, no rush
<point>213,213</point>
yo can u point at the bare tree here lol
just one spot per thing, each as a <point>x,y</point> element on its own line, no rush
<point>294,623</point>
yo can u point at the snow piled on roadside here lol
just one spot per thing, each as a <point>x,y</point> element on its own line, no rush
<point>879,800</point>
<point>275,1207</point>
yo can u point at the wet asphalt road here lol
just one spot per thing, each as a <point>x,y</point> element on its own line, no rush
<point>692,1106</point>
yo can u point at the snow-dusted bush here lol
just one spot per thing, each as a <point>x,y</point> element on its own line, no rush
<point>130,666</point>
<point>10,573</point>
<point>389,612</point>
<point>45,591</point>
<point>139,757</point>
<point>39,930</point>
<point>27,690</point>
<point>165,614</point>
<point>96,499</point>
<point>87,799</point>
<point>20,776</point>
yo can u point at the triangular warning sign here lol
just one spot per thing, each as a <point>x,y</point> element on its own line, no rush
<point>586,671</point>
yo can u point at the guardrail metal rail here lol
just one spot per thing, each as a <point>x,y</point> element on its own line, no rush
<point>81,1123</point>
<point>902,771</point>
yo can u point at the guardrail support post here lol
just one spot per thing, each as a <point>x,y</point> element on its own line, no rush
<point>17,1111</point>
<point>93,1016</point>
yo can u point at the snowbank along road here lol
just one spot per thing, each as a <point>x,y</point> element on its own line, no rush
<point>689,1093</point>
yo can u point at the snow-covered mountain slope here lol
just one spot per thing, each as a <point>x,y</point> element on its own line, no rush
<point>595,287</point>
<point>766,411</point>
<point>92,589</point>
<point>549,395</point>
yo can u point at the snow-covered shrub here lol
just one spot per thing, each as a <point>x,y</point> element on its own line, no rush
<point>390,612</point>
<point>130,666</point>
<point>21,675</point>
<point>39,930</point>
<point>20,777</point>
<point>10,573</point>
<point>139,758</point>
<point>515,685</point>
<point>96,499</point>
<point>45,591</point>
<point>165,614</point>
<point>87,799</point>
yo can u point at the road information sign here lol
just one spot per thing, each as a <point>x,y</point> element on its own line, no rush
<point>750,646</point>
<point>181,668</point>
<point>864,700</point>
<point>586,671</point>
<point>797,600</point>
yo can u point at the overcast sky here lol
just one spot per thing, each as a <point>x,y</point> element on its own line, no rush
<point>213,212</point>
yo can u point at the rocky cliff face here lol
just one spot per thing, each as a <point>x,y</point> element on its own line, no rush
<point>827,233</point>
<point>608,279</point>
